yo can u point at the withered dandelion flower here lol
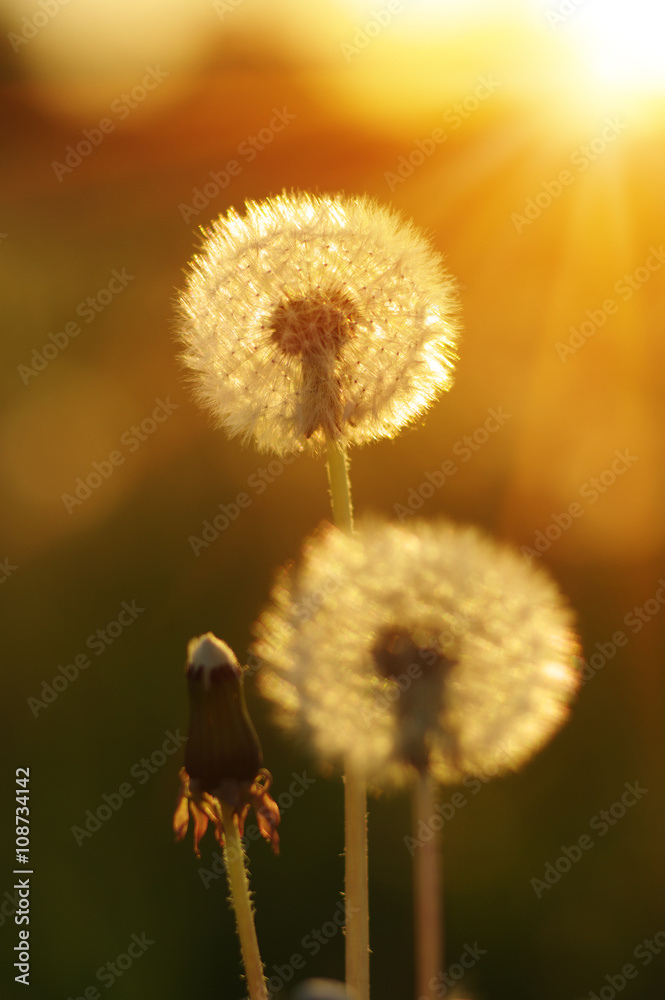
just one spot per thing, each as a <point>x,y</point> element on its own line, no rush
<point>223,760</point>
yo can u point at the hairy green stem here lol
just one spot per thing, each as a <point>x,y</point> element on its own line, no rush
<point>340,486</point>
<point>355,790</point>
<point>234,860</point>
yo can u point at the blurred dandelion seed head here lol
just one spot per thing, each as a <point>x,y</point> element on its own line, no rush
<point>311,317</point>
<point>426,647</point>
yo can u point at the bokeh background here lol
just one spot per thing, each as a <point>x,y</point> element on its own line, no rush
<point>528,139</point>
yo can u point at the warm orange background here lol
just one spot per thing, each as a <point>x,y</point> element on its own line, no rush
<point>531,118</point>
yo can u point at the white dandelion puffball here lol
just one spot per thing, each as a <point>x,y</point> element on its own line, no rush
<point>425,646</point>
<point>312,317</point>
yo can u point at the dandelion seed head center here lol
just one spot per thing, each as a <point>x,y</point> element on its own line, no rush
<point>418,672</point>
<point>316,325</point>
<point>397,651</point>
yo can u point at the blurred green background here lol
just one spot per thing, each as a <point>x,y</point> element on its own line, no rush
<point>164,94</point>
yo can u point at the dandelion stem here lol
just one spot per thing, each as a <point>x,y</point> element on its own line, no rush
<point>234,860</point>
<point>355,883</point>
<point>355,790</point>
<point>427,889</point>
<point>340,485</point>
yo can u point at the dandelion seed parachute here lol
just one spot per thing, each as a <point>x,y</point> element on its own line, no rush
<point>427,646</point>
<point>312,317</point>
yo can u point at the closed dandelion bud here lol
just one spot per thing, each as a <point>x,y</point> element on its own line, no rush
<point>427,648</point>
<point>223,759</point>
<point>311,319</point>
<point>222,746</point>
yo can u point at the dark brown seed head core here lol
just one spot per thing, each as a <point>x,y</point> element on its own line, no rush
<point>421,672</point>
<point>395,651</point>
<point>317,326</point>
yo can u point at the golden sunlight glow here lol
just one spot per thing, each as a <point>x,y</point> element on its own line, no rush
<point>88,54</point>
<point>621,41</point>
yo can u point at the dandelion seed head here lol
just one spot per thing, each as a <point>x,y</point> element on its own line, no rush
<point>309,317</point>
<point>420,646</point>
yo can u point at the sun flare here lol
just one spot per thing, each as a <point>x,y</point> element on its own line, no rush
<point>620,42</point>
